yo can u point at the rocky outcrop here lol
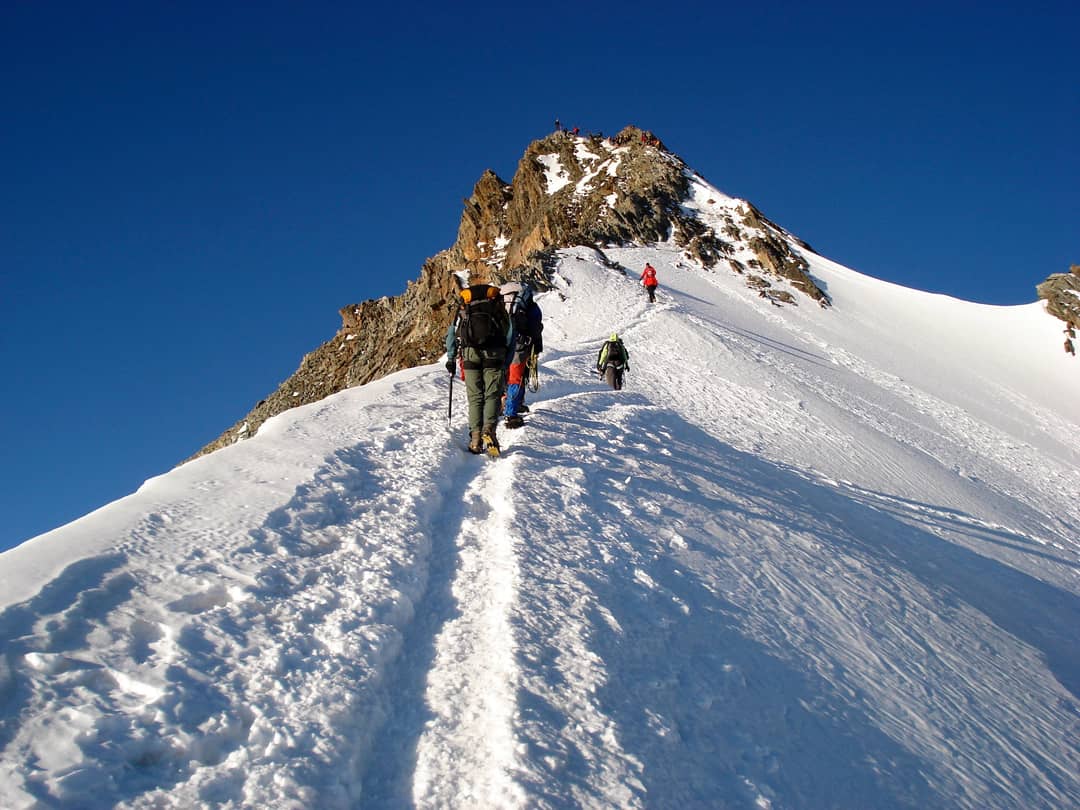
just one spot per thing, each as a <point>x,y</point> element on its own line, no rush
<point>773,253</point>
<point>567,190</point>
<point>627,189</point>
<point>1061,292</point>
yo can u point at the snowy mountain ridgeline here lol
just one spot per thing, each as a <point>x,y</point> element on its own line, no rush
<point>811,556</point>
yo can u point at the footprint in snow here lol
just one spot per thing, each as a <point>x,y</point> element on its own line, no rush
<point>202,601</point>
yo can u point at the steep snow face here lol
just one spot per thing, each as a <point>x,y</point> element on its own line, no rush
<point>806,558</point>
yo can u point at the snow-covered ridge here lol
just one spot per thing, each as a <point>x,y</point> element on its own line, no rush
<point>807,558</point>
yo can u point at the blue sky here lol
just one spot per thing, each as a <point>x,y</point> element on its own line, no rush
<point>191,192</point>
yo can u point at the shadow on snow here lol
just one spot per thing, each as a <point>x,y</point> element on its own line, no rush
<point>712,714</point>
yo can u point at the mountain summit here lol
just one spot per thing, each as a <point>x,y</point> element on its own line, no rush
<point>568,190</point>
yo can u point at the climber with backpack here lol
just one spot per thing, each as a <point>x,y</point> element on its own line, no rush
<point>526,343</point>
<point>648,278</point>
<point>613,361</point>
<point>479,337</point>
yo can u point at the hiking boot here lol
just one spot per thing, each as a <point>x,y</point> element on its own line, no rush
<point>524,408</point>
<point>490,440</point>
<point>476,444</point>
<point>513,421</point>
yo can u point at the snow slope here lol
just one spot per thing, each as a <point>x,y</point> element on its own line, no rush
<point>806,558</point>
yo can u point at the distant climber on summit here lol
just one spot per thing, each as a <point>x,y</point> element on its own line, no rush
<point>648,278</point>
<point>613,361</point>
<point>480,335</point>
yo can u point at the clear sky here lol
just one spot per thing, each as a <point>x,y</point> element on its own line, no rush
<point>191,191</point>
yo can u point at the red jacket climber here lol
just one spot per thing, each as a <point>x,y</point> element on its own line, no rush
<point>648,278</point>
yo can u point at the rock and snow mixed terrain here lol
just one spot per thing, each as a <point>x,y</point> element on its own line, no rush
<point>807,558</point>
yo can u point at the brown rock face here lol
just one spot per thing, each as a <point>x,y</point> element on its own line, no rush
<point>1061,292</point>
<point>567,190</point>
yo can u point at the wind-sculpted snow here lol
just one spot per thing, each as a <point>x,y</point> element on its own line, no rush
<point>783,568</point>
<point>216,663</point>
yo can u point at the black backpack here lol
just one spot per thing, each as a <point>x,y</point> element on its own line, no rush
<point>517,299</point>
<point>519,317</point>
<point>482,319</point>
<point>616,352</point>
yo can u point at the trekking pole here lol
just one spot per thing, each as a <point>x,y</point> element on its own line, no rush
<point>453,373</point>
<point>450,400</point>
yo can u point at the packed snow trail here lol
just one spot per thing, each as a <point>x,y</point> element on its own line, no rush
<point>467,753</point>
<point>770,573</point>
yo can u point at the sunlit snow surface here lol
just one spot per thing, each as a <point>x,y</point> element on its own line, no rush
<point>807,558</point>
